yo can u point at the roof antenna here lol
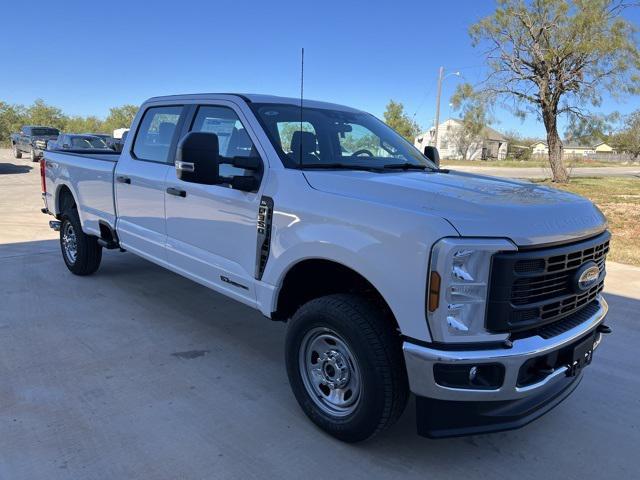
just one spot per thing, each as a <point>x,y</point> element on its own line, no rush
<point>301,97</point>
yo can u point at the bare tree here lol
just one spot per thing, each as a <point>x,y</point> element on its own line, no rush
<point>557,57</point>
<point>628,138</point>
<point>467,135</point>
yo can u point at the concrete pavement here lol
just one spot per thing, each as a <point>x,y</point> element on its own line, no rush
<point>137,373</point>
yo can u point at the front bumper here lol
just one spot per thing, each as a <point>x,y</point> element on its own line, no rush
<point>421,360</point>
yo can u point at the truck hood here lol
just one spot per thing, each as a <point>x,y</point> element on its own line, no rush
<point>475,205</point>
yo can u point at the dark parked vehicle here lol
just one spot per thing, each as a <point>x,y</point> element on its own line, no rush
<point>117,143</point>
<point>32,140</point>
<point>114,144</point>
<point>67,141</point>
<point>104,136</point>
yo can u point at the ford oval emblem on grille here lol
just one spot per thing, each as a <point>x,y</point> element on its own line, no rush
<point>587,276</point>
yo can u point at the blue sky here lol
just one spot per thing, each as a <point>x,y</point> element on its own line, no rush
<point>85,59</point>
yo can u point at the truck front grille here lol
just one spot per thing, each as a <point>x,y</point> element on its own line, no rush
<point>536,287</point>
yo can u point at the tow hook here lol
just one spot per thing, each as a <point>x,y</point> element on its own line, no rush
<point>55,225</point>
<point>602,328</point>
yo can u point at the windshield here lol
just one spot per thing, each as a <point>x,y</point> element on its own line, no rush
<point>88,143</point>
<point>41,132</point>
<point>335,139</point>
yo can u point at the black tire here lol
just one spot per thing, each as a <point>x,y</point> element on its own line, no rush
<point>16,152</point>
<point>88,253</point>
<point>369,333</point>
<point>33,156</point>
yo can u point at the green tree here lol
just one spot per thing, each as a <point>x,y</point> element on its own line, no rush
<point>120,117</point>
<point>518,146</point>
<point>12,117</point>
<point>557,57</point>
<point>91,124</point>
<point>42,114</point>
<point>395,117</point>
<point>467,136</point>
<point>628,138</point>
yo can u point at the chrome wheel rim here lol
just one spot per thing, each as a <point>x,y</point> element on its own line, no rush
<point>69,242</point>
<point>330,372</point>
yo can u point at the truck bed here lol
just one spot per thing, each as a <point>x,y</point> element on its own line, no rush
<point>89,176</point>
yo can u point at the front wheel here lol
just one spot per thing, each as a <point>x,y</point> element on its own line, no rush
<point>16,153</point>
<point>81,252</point>
<point>33,155</point>
<point>345,366</point>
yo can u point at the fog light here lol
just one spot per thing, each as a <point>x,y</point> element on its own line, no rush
<point>489,376</point>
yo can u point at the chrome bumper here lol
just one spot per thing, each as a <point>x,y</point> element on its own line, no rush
<point>420,361</point>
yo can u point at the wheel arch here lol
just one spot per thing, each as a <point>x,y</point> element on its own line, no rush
<point>316,277</point>
<point>64,199</point>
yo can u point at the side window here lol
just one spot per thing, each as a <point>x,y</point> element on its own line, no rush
<point>233,139</point>
<point>156,132</point>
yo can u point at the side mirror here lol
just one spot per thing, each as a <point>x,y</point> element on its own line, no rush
<point>198,158</point>
<point>432,154</point>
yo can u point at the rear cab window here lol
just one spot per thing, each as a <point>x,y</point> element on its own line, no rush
<point>156,133</point>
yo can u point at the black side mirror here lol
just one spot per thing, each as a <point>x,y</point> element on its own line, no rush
<point>432,154</point>
<point>198,158</point>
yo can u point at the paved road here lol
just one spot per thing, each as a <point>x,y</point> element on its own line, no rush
<point>137,373</point>
<point>539,173</point>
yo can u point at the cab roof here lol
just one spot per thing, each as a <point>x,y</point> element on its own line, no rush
<point>253,98</point>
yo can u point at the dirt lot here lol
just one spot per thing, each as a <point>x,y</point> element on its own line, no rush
<point>535,163</point>
<point>619,200</point>
<point>138,373</point>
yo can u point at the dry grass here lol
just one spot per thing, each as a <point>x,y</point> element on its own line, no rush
<point>619,200</point>
<point>534,163</point>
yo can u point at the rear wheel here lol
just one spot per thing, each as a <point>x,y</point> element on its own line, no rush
<point>81,252</point>
<point>16,153</point>
<point>345,366</point>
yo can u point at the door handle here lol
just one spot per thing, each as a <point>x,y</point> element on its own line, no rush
<point>123,179</point>
<point>177,192</point>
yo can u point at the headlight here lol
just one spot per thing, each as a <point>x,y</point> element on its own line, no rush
<point>458,288</point>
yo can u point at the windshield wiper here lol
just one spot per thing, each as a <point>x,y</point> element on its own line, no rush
<point>406,166</point>
<point>340,166</point>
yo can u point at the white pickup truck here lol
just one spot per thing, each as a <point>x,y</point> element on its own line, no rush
<point>480,295</point>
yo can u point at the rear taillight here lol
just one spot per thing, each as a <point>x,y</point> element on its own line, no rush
<point>42,179</point>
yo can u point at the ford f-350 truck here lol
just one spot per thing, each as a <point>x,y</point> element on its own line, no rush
<point>482,296</point>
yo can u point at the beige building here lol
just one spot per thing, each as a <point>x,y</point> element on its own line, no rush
<point>573,148</point>
<point>491,144</point>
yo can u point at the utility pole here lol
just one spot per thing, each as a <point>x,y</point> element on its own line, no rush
<point>440,77</point>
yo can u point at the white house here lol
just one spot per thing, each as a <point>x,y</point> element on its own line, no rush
<point>491,144</point>
<point>573,148</point>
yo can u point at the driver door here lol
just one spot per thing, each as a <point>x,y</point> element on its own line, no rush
<point>211,229</point>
